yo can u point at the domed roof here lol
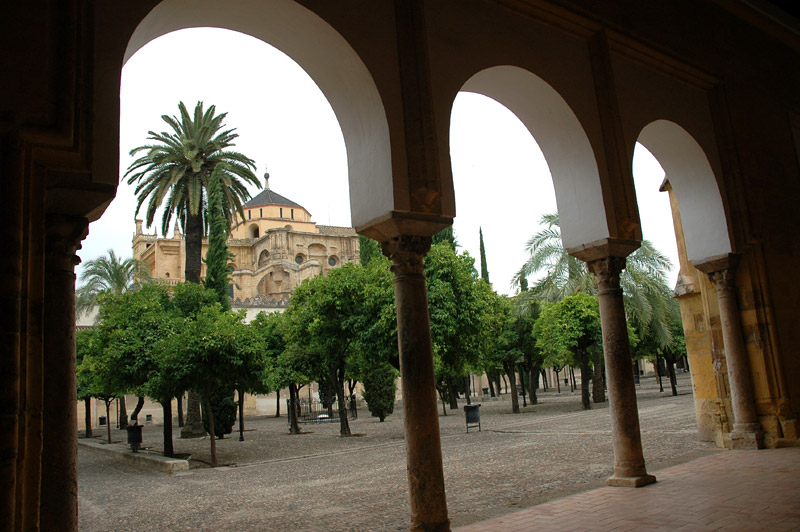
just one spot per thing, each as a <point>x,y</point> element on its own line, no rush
<point>270,197</point>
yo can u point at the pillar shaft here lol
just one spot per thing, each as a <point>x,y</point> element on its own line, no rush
<point>629,466</point>
<point>59,488</point>
<point>11,357</point>
<point>747,432</point>
<point>423,445</point>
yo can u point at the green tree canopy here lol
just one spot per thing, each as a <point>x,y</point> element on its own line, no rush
<point>646,294</point>
<point>567,331</point>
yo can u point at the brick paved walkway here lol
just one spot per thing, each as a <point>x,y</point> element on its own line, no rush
<point>734,490</point>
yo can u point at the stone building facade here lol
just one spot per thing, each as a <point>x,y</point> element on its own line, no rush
<point>274,249</point>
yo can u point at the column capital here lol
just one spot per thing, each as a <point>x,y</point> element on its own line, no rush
<point>607,270</point>
<point>63,236</point>
<point>721,269</point>
<point>406,253</point>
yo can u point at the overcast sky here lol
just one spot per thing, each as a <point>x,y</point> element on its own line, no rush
<point>286,125</point>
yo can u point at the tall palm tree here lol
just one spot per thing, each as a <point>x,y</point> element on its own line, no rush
<point>107,273</point>
<point>645,290</point>
<point>173,172</point>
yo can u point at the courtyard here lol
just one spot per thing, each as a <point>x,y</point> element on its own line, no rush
<point>321,482</point>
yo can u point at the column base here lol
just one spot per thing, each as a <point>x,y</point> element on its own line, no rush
<point>747,439</point>
<point>631,482</point>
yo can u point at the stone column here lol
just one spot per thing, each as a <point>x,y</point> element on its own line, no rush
<point>629,467</point>
<point>747,432</point>
<point>59,495</point>
<point>423,445</point>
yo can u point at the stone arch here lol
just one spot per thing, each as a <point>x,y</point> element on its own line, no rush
<point>330,61</point>
<point>317,250</point>
<point>695,187</point>
<point>263,258</point>
<point>563,141</point>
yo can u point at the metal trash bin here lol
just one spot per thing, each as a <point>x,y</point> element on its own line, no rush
<point>473,415</point>
<point>135,436</point>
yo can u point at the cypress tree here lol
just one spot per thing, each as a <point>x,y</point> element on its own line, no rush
<point>484,267</point>
<point>217,256</point>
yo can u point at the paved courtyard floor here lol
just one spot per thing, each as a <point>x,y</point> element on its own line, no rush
<point>320,482</point>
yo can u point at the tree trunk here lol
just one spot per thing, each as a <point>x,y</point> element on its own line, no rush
<point>329,391</point>
<point>598,390</point>
<point>278,404</point>
<point>491,385</point>
<point>658,373</point>
<point>571,379</point>
<point>533,381</point>
<point>512,378</point>
<point>544,379</point>
<point>194,246</point>
<point>180,410</point>
<point>213,438</point>
<point>505,382</point>
<point>673,382</point>
<point>294,428</point>
<point>467,390</point>
<point>452,393</point>
<point>558,380</point>
<point>193,426</point>
<point>241,415</point>
<point>587,404</point>
<point>87,418</point>
<point>122,413</point>
<point>522,382</point>
<point>166,406</point>
<point>108,418</point>
<point>139,406</point>
<point>344,425</point>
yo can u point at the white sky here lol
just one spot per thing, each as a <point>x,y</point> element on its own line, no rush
<point>286,125</point>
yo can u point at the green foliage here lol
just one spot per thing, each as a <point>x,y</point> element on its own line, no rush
<point>484,266</point>
<point>457,300</point>
<point>131,326</point>
<point>376,321</point>
<point>83,351</point>
<point>380,388</point>
<point>566,330</point>
<point>217,255</point>
<point>446,235</point>
<point>646,294</point>
<point>369,250</point>
<point>224,408</point>
<point>323,321</point>
<point>188,299</point>
<point>108,274</point>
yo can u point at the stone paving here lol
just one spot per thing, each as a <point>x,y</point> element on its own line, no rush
<point>730,491</point>
<point>321,482</point>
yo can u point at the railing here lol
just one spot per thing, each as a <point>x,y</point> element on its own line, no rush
<point>316,412</point>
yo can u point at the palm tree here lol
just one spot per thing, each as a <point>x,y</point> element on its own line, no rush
<point>107,274</point>
<point>645,291</point>
<point>174,171</point>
